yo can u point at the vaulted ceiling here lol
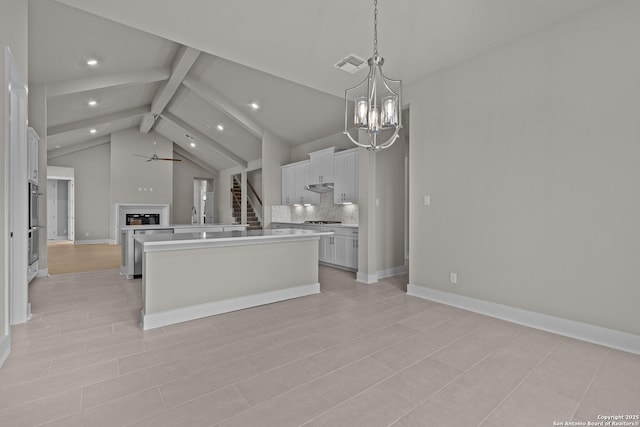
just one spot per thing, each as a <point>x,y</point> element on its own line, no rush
<point>184,68</point>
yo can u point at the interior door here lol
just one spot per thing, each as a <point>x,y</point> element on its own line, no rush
<point>52,209</point>
<point>71,227</point>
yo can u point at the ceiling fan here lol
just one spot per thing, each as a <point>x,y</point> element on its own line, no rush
<point>155,156</point>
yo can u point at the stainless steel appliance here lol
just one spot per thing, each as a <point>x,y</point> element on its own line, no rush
<point>34,225</point>
<point>33,244</point>
<point>33,205</point>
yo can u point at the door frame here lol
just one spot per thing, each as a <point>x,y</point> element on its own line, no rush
<point>16,189</point>
<point>71,214</point>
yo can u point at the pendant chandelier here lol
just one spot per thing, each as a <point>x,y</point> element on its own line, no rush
<point>376,102</point>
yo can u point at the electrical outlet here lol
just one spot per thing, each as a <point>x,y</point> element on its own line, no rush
<point>427,200</point>
<point>453,278</point>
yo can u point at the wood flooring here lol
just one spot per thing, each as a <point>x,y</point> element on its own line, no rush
<point>66,257</point>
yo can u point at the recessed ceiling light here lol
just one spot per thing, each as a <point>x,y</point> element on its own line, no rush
<point>193,144</point>
<point>92,62</point>
<point>57,146</point>
<point>254,105</point>
<point>220,128</point>
<point>93,103</point>
<point>93,130</point>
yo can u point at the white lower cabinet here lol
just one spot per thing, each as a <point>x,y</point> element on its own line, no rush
<point>339,249</point>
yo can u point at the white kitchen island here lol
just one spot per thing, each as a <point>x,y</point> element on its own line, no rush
<point>131,255</point>
<point>188,276</point>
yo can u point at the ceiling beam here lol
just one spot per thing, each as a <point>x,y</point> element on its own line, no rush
<point>204,138</point>
<point>97,121</point>
<point>109,81</point>
<point>58,152</point>
<point>193,159</point>
<point>182,63</point>
<point>211,96</point>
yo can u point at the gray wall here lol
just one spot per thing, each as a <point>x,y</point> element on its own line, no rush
<point>131,175</point>
<point>530,154</point>
<point>275,153</point>
<point>390,215</point>
<point>184,173</point>
<point>92,172</point>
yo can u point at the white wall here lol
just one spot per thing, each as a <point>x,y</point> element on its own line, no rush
<point>390,215</point>
<point>131,175</point>
<point>275,153</point>
<point>184,173</point>
<point>338,140</point>
<point>530,154</point>
<point>91,172</point>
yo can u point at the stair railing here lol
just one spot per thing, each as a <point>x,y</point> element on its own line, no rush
<point>252,198</point>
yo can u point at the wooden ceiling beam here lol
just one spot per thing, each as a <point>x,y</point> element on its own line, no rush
<point>195,160</point>
<point>204,138</point>
<point>218,101</point>
<point>97,121</point>
<point>109,81</point>
<point>58,152</point>
<point>182,63</point>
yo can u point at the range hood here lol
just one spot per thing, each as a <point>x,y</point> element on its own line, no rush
<point>320,188</point>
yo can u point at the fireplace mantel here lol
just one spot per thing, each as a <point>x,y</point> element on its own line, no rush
<point>122,209</point>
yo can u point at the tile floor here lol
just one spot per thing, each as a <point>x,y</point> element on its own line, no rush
<point>355,355</point>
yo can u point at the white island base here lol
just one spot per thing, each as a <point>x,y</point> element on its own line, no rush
<point>202,274</point>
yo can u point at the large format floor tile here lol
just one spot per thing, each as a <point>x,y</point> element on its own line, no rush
<point>353,355</point>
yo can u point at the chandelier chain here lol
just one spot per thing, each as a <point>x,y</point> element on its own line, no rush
<point>375,27</point>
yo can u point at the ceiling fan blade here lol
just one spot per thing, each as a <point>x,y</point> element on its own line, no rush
<point>140,155</point>
<point>150,159</point>
<point>172,160</point>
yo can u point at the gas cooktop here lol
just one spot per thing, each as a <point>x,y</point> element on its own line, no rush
<point>323,222</point>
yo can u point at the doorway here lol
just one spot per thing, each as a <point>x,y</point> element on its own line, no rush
<point>60,208</point>
<point>202,211</point>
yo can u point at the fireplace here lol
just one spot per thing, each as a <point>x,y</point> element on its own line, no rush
<point>140,214</point>
<point>142,219</point>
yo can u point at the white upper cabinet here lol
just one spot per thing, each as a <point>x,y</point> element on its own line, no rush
<point>288,184</point>
<point>32,159</point>
<point>345,176</point>
<point>321,166</point>
<point>295,177</point>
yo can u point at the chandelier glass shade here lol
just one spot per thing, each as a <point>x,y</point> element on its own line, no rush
<point>374,105</point>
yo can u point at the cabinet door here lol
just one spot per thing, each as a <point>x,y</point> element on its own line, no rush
<point>345,174</point>
<point>330,251</point>
<point>304,196</point>
<point>351,259</point>
<point>321,167</point>
<point>288,185</point>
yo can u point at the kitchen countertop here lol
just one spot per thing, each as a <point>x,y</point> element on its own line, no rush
<point>317,225</point>
<point>160,226</point>
<point>154,242</point>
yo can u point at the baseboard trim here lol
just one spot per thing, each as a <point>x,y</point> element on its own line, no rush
<point>393,271</point>
<point>92,242</point>
<point>43,272</point>
<point>367,278</point>
<point>380,274</point>
<point>570,328</point>
<point>157,320</point>
<point>5,348</point>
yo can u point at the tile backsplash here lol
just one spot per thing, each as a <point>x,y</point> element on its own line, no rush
<point>325,211</point>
